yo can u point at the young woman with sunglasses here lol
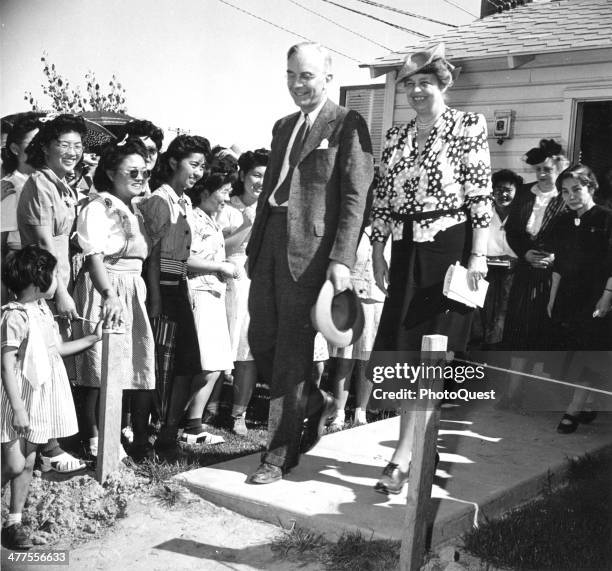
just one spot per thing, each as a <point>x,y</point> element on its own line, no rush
<point>152,138</point>
<point>111,233</point>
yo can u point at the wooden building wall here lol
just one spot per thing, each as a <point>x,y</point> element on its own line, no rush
<point>543,94</point>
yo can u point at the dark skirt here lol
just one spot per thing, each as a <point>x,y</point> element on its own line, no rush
<point>416,305</point>
<point>495,309</point>
<point>527,326</point>
<point>176,306</point>
<point>574,327</point>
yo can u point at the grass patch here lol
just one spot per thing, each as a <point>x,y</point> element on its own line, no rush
<point>353,551</point>
<point>568,527</point>
<point>170,495</point>
<point>159,472</point>
<point>233,447</point>
<point>298,540</point>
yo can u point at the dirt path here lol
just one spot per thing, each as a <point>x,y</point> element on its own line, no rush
<point>194,534</point>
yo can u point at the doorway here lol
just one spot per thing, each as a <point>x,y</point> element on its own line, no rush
<point>594,137</point>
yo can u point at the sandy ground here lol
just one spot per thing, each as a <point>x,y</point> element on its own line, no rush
<point>193,534</point>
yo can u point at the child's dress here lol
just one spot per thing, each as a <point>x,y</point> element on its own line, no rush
<point>40,373</point>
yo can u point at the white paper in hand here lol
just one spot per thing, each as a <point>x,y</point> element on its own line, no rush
<point>456,287</point>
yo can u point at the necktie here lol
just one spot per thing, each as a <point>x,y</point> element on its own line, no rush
<point>282,192</point>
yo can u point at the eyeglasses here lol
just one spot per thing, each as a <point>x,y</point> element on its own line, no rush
<point>135,173</point>
<point>65,146</point>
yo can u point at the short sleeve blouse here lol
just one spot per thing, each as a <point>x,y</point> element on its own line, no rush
<point>12,185</point>
<point>232,218</point>
<point>169,218</point>
<point>107,226</point>
<point>208,244</point>
<point>14,327</point>
<point>45,200</point>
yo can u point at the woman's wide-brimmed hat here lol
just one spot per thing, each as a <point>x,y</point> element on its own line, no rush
<point>338,317</point>
<point>415,62</point>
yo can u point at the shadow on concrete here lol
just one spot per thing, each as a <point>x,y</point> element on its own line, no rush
<point>491,460</point>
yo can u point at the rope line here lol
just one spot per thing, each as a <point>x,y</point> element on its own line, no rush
<point>405,13</point>
<point>536,377</point>
<point>285,29</point>
<point>460,8</point>
<point>340,25</point>
<point>377,19</point>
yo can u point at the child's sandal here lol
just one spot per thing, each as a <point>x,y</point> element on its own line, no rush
<point>63,463</point>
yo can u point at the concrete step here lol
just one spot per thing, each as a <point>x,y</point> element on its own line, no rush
<point>491,461</point>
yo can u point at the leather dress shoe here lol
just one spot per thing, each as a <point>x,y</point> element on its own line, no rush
<point>314,427</point>
<point>265,474</point>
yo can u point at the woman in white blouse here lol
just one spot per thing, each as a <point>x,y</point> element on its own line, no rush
<point>532,216</point>
<point>111,232</point>
<point>501,259</point>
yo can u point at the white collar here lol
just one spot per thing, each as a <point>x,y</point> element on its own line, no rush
<point>174,196</point>
<point>18,175</point>
<point>535,189</point>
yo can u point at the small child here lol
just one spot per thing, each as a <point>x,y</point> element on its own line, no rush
<point>35,393</point>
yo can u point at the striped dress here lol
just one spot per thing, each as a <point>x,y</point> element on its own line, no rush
<point>31,330</point>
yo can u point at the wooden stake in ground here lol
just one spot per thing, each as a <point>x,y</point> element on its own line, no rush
<point>422,466</point>
<point>111,394</point>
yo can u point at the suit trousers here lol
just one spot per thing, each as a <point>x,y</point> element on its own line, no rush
<point>281,337</point>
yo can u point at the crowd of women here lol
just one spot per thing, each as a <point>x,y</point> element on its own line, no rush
<point>153,247</point>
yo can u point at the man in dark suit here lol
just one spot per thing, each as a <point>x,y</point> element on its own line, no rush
<point>306,230</point>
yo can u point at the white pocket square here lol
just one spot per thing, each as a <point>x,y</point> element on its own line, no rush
<point>323,145</point>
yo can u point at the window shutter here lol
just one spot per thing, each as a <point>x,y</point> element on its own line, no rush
<point>369,102</point>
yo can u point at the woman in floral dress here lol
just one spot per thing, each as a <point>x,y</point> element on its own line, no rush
<point>434,199</point>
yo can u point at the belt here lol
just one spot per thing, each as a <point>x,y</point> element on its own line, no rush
<point>279,209</point>
<point>176,267</point>
<point>172,271</point>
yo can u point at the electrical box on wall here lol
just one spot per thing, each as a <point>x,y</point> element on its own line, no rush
<point>502,128</point>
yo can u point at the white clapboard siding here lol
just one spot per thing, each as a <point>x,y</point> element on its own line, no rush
<point>540,94</point>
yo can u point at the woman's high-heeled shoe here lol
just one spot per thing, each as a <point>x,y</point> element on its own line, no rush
<point>568,424</point>
<point>392,480</point>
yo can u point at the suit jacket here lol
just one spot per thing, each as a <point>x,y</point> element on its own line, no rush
<point>516,224</point>
<point>329,191</point>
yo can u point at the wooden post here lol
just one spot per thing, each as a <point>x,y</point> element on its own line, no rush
<point>111,393</point>
<point>422,466</point>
